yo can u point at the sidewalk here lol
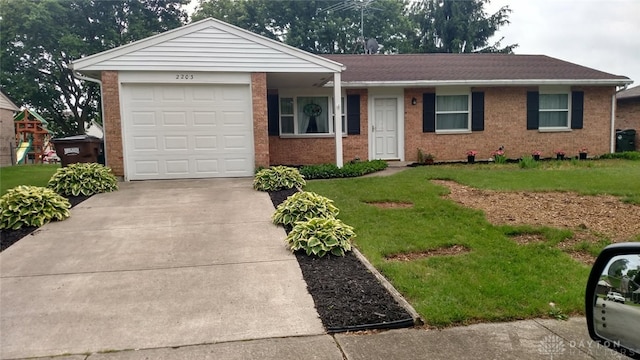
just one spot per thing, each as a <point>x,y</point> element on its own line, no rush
<point>529,339</point>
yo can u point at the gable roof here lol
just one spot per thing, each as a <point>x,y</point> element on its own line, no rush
<point>6,103</point>
<point>629,93</point>
<point>467,69</point>
<point>207,45</point>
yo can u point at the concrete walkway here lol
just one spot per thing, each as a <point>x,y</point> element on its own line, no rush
<point>155,264</point>
<point>195,270</point>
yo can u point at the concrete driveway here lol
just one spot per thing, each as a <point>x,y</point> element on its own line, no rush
<point>155,264</point>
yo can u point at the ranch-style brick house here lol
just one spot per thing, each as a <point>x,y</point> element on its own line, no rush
<point>212,100</point>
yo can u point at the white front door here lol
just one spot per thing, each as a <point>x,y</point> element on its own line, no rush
<point>385,128</point>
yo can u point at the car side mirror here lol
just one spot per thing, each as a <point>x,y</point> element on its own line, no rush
<point>612,300</point>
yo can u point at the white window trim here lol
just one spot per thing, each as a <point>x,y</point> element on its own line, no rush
<point>555,91</point>
<point>467,93</point>
<point>330,116</point>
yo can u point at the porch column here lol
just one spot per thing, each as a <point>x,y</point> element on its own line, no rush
<point>337,111</point>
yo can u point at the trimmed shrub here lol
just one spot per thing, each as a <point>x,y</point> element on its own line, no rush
<point>31,206</point>
<point>319,236</point>
<point>303,206</point>
<point>351,169</point>
<point>83,179</point>
<point>278,178</point>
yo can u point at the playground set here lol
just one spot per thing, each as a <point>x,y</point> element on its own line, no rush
<point>32,138</point>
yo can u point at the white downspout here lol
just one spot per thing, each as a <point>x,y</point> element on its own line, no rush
<point>104,133</point>
<point>337,115</point>
<point>613,123</point>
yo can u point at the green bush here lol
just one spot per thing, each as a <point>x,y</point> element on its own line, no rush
<point>626,155</point>
<point>26,205</point>
<point>278,178</point>
<point>528,162</point>
<point>351,169</point>
<point>83,179</point>
<point>303,206</point>
<point>319,236</point>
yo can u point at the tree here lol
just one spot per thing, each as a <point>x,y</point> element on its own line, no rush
<point>455,26</point>
<point>40,39</point>
<point>320,27</point>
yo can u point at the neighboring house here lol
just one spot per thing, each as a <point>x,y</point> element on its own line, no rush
<point>213,100</point>
<point>628,111</point>
<point>7,130</point>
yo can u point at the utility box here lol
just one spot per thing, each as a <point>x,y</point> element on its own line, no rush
<point>78,149</point>
<point>625,140</point>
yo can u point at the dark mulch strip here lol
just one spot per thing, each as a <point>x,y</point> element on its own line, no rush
<point>347,295</point>
<point>10,237</point>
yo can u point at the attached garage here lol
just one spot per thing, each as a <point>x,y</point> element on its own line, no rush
<point>192,102</point>
<point>187,131</point>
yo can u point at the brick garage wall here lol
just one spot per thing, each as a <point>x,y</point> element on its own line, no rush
<point>260,119</point>
<point>628,116</point>
<point>112,122</point>
<point>306,151</point>
<point>505,124</point>
<point>7,137</point>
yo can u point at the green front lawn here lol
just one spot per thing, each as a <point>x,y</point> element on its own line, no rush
<point>498,279</point>
<point>36,175</point>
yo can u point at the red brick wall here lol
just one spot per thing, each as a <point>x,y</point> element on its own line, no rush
<point>112,122</point>
<point>505,122</point>
<point>304,151</point>
<point>628,116</point>
<point>260,118</point>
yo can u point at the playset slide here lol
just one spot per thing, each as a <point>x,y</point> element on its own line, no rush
<point>22,151</point>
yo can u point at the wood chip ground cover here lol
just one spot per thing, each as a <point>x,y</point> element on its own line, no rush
<point>595,215</point>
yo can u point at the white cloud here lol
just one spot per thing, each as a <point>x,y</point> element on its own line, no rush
<point>597,34</point>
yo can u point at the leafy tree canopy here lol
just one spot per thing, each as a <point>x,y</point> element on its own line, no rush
<point>38,40</point>
<point>331,26</point>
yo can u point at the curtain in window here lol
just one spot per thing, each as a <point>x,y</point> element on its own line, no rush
<point>452,112</point>
<point>554,110</point>
<point>313,124</point>
<point>286,115</point>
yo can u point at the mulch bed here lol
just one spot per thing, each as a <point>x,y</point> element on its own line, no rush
<point>10,237</point>
<point>348,297</point>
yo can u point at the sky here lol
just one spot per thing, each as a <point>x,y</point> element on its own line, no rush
<point>600,34</point>
<point>603,35</point>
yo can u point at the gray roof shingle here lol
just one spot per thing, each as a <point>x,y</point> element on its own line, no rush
<point>463,67</point>
<point>630,93</point>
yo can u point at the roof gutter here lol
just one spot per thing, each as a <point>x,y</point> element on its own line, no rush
<point>78,76</point>
<point>518,82</point>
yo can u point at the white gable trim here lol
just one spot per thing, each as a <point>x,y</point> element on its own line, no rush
<point>95,62</point>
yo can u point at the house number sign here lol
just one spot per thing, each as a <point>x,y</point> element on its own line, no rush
<point>184,76</point>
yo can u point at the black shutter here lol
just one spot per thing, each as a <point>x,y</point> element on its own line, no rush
<point>353,114</point>
<point>533,104</point>
<point>428,112</point>
<point>477,111</point>
<point>273,114</point>
<point>577,109</point>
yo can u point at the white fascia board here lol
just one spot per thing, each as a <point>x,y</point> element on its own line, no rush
<point>86,62</point>
<point>433,83</point>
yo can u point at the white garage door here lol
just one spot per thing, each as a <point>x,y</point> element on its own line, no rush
<point>187,131</point>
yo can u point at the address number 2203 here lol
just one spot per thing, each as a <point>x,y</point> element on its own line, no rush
<point>184,76</point>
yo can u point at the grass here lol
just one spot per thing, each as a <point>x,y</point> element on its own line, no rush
<point>36,175</point>
<point>498,280</point>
